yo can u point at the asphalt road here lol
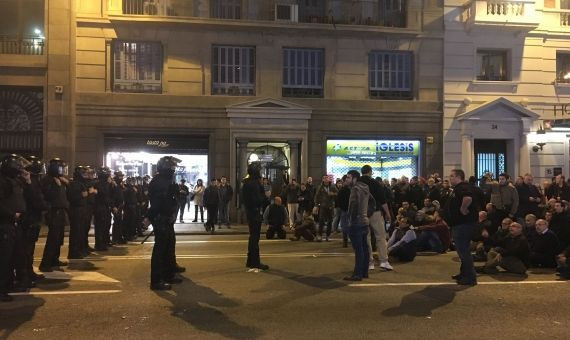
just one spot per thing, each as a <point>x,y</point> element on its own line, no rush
<point>301,296</point>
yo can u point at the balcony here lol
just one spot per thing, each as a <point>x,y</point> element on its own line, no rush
<point>18,45</point>
<point>516,15</point>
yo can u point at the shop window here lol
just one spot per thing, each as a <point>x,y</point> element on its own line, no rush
<point>312,11</point>
<point>492,65</point>
<point>563,67</point>
<point>226,9</point>
<point>137,67</point>
<point>303,72</point>
<point>233,70</point>
<point>392,13</point>
<point>390,75</point>
<point>22,27</point>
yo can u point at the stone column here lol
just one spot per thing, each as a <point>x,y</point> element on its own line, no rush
<point>242,158</point>
<point>294,160</point>
<point>467,155</point>
<point>524,155</point>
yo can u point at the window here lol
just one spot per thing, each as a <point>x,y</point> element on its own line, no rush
<point>226,9</point>
<point>563,67</point>
<point>303,72</point>
<point>22,27</point>
<point>137,67</point>
<point>492,65</point>
<point>392,13</point>
<point>564,4</point>
<point>312,11</point>
<point>233,70</point>
<point>390,75</point>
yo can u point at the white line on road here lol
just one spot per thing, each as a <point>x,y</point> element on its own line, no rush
<point>492,283</point>
<point>69,292</point>
<point>195,242</point>
<point>212,256</point>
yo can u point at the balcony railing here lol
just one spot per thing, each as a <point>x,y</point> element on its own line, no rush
<point>16,45</point>
<point>156,7</point>
<point>565,19</point>
<point>509,14</point>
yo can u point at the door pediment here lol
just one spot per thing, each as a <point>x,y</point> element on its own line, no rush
<point>269,108</point>
<point>500,109</point>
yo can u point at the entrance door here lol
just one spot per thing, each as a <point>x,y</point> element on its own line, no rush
<point>490,156</point>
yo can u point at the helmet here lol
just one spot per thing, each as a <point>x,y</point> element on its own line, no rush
<point>118,176</point>
<point>57,167</point>
<point>103,173</point>
<point>91,172</point>
<point>254,170</point>
<point>13,165</point>
<point>131,181</point>
<point>36,167</point>
<point>81,173</point>
<point>167,165</point>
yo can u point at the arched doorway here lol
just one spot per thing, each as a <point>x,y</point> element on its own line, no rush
<point>274,162</point>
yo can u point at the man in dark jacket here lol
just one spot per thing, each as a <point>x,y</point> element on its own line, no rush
<point>182,198</point>
<point>102,210</point>
<point>305,199</point>
<point>544,246</point>
<point>560,224</point>
<point>117,195</point>
<point>291,194</point>
<point>510,253</point>
<point>416,193</point>
<point>226,194</point>
<point>529,198</point>
<point>253,195</point>
<point>211,202</point>
<point>275,217</point>
<point>324,200</point>
<point>77,193</point>
<point>343,200</point>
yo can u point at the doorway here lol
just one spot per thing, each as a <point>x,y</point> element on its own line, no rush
<point>490,156</point>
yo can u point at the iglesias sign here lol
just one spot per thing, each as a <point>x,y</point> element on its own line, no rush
<point>344,147</point>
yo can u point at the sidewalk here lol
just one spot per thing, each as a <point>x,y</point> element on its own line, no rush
<point>180,229</point>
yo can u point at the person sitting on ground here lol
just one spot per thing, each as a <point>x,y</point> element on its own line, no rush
<point>480,241</point>
<point>544,247</point>
<point>306,228</point>
<point>429,208</point>
<point>560,224</point>
<point>510,253</point>
<point>494,217</point>
<point>434,235</point>
<point>530,227</point>
<point>563,266</point>
<point>402,243</point>
<point>409,211</point>
<point>276,217</point>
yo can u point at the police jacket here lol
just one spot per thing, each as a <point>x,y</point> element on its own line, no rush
<point>12,199</point>
<point>74,194</point>
<point>55,195</point>
<point>253,194</point>
<point>103,196</point>
<point>35,202</point>
<point>162,193</point>
<point>117,195</point>
<point>130,196</point>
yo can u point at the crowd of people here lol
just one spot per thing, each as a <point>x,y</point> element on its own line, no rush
<point>505,223</point>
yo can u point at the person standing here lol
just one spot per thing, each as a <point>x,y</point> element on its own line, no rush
<point>461,214</point>
<point>118,196</point>
<point>130,218</point>
<point>211,201</point>
<point>77,193</point>
<point>183,193</point>
<point>253,196</point>
<point>54,188</point>
<point>102,210</point>
<point>163,193</point>
<point>291,194</point>
<point>199,200</point>
<point>324,200</point>
<point>226,194</point>
<point>358,221</point>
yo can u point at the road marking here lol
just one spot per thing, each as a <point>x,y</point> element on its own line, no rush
<point>487,283</point>
<point>211,256</point>
<point>195,242</point>
<point>69,292</point>
<point>79,276</point>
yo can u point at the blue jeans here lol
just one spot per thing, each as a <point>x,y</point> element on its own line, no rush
<point>344,225</point>
<point>429,240</point>
<point>223,213</point>
<point>358,235</point>
<point>336,219</point>
<point>462,234</point>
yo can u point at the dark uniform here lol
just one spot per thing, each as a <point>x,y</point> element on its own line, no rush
<point>54,189</point>
<point>89,210</point>
<point>163,192</point>
<point>77,193</point>
<point>130,217</point>
<point>102,212</point>
<point>117,194</point>
<point>253,196</point>
<point>183,193</point>
<point>12,204</point>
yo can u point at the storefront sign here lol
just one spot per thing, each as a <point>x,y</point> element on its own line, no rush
<point>337,147</point>
<point>157,143</point>
<point>192,144</point>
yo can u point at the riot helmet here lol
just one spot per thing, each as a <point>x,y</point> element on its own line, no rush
<point>91,172</point>
<point>166,166</point>
<point>13,165</point>
<point>118,176</point>
<point>36,167</point>
<point>81,173</point>
<point>131,181</point>
<point>57,168</point>
<point>103,173</point>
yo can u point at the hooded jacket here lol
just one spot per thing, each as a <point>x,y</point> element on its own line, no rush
<point>358,205</point>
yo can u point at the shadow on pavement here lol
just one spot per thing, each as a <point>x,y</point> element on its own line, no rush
<point>16,313</point>
<point>422,303</point>
<point>197,304</point>
<point>321,282</point>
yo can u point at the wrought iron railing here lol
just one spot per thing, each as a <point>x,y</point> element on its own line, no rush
<point>21,45</point>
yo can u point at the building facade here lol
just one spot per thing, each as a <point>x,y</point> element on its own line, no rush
<point>506,87</point>
<point>307,88</point>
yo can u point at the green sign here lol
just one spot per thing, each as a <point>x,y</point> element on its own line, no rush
<point>342,147</point>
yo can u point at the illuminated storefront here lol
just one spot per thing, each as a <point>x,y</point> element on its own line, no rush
<point>388,158</point>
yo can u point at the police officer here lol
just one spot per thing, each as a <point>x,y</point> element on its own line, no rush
<point>54,188</point>
<point>77,193</point>
<point>12,205</point>
<point>163,192</point>
<point>90,208</point>
<point>117,194</point>
<point>102,210</point>
<point>253,196</point>
<point>32,219</point>
<point>130,209</point>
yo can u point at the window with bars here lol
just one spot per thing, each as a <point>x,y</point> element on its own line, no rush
<point>390,75</point>
<point>563,67</point>
<point>492,65</point>
<point>137,67</point>
<point>303,72</point>
<point>233,70</point>
<point>226,9</point>
<point>392,13</point>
